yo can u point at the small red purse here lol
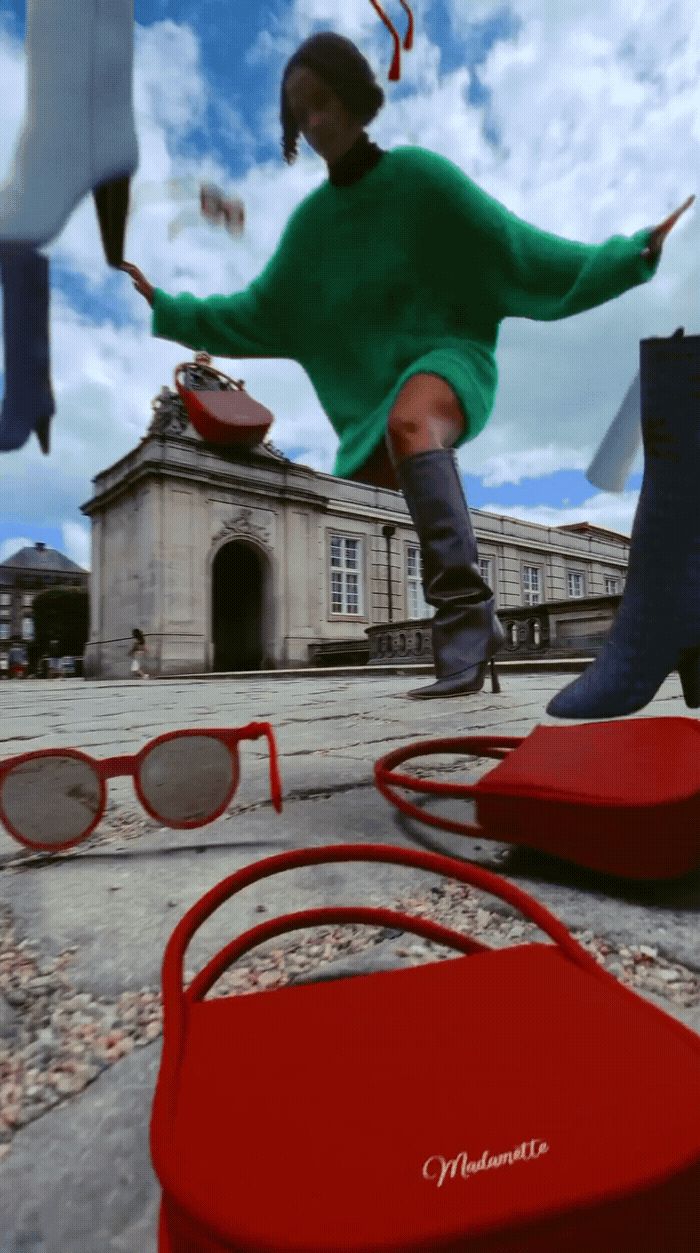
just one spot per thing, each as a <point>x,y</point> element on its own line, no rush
<point>219,408</point>
<point>507,1100</point>
<point>618,796</point>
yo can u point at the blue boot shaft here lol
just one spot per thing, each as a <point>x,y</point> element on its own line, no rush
<point>657,628</point>
<point>28,402</point>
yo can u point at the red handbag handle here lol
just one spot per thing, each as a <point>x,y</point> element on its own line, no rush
<point>176,1003</point>
<point>386,777</point>
<point>339,916</point>
<point>207,369</point>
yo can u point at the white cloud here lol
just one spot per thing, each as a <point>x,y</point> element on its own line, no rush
<point>9,547</point>
<point>76,543</point>
<point>174,100</point>
<point>511,466</point>
<point>614,512</point>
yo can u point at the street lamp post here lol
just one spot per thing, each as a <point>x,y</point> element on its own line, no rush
<point>388,531</point>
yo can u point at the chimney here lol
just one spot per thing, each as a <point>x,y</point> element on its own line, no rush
<point>40,546</point>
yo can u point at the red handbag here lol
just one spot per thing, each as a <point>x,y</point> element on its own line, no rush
<point>513,1100</point>
<point>618,796</point>
<point>218,407</point>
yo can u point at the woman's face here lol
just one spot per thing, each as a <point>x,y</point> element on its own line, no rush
<point>327,126</point>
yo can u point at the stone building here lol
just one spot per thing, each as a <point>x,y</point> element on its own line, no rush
<point>22,576</point>
<point>242,560</point>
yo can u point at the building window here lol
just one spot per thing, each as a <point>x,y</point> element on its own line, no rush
<point>27,601</point>
<point>532,585</point>
<point>486,570</point>
<point>574,580</point>
<point>5,599</point>
<point>27,629</point>
<point>612,586</point>
<point>418,607</point>
<point>4,630</point>
<point>346,585</point>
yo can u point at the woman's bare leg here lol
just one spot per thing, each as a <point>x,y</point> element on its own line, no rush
<point>425,415</point>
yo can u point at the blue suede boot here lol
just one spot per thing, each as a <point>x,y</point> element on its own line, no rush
<point>465,630</point>
<point>657,628</point>
<point>28,403</point>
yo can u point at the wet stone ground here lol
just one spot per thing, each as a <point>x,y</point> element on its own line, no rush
<point>82,932</point>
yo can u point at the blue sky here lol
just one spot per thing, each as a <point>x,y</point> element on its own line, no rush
<point>583,120</point>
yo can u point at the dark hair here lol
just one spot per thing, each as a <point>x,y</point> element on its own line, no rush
<point>343,68</point>
<point>138,635</point>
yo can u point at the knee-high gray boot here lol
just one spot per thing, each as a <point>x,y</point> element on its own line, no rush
<point>466,631</point>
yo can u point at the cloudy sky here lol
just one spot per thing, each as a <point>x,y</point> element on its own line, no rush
<point>583,119</point>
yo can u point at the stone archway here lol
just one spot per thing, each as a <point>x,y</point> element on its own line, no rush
<point>237,607</point>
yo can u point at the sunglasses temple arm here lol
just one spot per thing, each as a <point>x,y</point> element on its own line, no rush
<point>275,781</point>
<point>395,71</point>
<point>255,730</point>
<point>408,40</point>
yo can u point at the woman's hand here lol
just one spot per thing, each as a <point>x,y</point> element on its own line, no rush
<point>141,283</point>
<point>661,231</point>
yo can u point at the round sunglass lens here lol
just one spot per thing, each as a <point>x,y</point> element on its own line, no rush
<point>51,800</point>
<point>187,779</point>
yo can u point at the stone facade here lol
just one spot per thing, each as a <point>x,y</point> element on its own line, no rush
<point>231,559</point>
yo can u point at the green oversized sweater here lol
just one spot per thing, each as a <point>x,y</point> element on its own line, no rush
<point>411,268</point>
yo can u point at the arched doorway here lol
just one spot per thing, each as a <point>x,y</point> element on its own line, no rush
<point>236,607</point>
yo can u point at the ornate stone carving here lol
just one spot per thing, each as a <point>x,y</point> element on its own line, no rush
<point>242,523</point>
<point>269,448</point>
<point>169,414</point>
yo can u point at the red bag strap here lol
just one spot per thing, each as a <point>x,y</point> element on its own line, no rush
<point>176,1003</point>
<point>387,779</point>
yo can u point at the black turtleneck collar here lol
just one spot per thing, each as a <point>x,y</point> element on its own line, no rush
<point>358,160</point>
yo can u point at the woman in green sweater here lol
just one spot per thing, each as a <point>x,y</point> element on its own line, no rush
<point>388,287</point>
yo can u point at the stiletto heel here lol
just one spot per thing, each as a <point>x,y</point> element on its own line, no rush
<point>495,685</point>
<point>689,674</point>
<point>41,431</point>
<point>112,205</point>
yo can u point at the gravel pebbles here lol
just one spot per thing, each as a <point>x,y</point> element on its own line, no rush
<point>56,1039</point>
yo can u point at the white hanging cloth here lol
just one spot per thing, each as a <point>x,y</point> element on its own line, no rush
<point>613,460</point>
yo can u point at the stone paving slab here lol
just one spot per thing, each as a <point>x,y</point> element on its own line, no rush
<point>79,1179</point>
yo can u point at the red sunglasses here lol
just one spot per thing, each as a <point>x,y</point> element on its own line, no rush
<point>395,71</point>
<point>55,797</point>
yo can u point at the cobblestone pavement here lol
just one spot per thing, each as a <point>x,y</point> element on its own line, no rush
<point>82,932</point>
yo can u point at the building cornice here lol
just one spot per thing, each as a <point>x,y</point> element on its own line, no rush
<point>158,458</point>
<point>549,547</point>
